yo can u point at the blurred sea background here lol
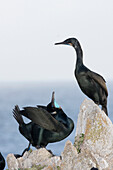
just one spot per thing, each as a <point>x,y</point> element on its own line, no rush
<point>67,94</point>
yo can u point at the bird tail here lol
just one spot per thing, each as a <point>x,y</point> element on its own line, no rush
<point>17,115</point>
<point>104,108</point>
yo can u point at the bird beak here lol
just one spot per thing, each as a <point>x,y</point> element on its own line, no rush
<point>63,43</point>
<point>54,104</point>
<point>53,98</point>
<point>59,43</point>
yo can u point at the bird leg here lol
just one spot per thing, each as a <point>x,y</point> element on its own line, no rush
<point>40,146</point>
<point>50,152</point>
<point>104,108</point>
<point>28,146</point>
<point>27,149</point>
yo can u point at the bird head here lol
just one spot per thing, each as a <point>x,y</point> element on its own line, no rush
<point>53,106</point>
<point>53,102</point>
<point>70,41</point>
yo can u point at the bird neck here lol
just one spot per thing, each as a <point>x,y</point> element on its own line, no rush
<point>79,54</point>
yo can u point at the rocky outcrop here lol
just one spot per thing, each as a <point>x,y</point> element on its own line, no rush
<point>93,146</point>
<point>37,159</point>
<point>98,134</point>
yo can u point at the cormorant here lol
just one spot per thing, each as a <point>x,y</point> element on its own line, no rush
<point>48,123</point>
<point>91,83</point>
<point>2,162</point>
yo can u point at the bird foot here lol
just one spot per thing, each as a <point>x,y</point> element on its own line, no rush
<point>38,147</point>
<point>51,152</point>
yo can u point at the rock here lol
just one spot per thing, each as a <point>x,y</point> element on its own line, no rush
<point>71,160</point>
<point>37,158</point>
<point>92,149</point>
<point>52,163</point>
<point>39,155</point>
<point>68,156</point>
<point>12,162</point>
<point>98,133</point>
<point>78,142</point>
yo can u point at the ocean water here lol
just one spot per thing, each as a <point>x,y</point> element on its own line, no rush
<point>68,95</point>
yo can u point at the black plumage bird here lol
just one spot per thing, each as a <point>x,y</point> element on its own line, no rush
<point>48,123</point>
<point>91,83</point>
<point>2,162</point>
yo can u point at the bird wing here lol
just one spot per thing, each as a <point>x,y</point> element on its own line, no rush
<point>42,118</point>
<point>99,79</point>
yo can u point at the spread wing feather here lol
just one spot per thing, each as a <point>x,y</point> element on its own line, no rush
<point>42,118</point>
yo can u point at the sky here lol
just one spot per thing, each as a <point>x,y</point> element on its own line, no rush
<point>29,29</point>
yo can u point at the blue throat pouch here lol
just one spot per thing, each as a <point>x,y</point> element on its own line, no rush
<point>56,105</point>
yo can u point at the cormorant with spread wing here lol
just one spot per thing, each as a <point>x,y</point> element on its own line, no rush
<point>48,124</point>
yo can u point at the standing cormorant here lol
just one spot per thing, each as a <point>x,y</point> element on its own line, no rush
<point>48,124</point>
<point>91,83</point>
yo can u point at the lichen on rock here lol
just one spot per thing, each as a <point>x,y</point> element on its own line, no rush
<point>78,142</point>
